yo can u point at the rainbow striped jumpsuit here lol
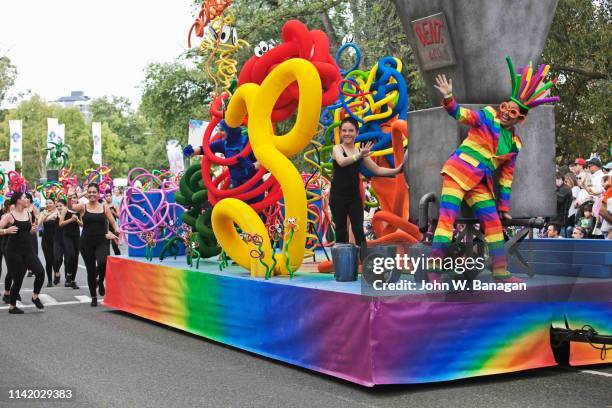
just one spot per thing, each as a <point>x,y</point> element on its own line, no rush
<point>468,174</point>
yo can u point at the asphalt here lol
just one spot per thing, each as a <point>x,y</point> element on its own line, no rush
<point>113,359</point>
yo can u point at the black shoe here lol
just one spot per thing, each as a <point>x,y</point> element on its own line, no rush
<point>73,285</point>
<point>68,284</point>
<point>101,289</point>
<point>30,274</point>
<point>56,280</point>
<point>6,299</point>
<point>15,310</point>
<point>49,285</point>
<point>38,303</point>
<point>94,302</point>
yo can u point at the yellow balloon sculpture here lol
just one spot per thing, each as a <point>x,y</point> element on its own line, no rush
<point>272,151</point>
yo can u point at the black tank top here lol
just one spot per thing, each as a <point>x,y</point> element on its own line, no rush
<point>94,224</point>
<point>71,229</point>
<point>345,181</point>
<point>49,228</point>
<point>20,241</point>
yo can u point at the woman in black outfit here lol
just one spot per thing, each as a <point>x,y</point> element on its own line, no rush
<point>345,196</point>
<point>58,243</point>
<point>94,239</point>
<point>5,209</point>
<point>115,212</point>
<point>19,253</point>
<point>70,220</point>
<point>49,220</point>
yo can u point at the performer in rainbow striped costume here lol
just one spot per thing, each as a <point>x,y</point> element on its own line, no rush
<point>491,144</point>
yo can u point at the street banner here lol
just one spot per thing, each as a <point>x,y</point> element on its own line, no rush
<point>51,133</point>
<point>61,129</point>
<point>16,149</point>
<point>175,156</point>
<point>96,131</point>
<point>197,128</point>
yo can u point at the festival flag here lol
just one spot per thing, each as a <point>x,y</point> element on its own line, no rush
<point>16,150</point>
<point>96,131</point>
<point>61,129</point>
<point>51,131</point>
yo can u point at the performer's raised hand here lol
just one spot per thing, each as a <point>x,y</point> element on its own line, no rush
<point>443,85</point>
<point>365,150</point>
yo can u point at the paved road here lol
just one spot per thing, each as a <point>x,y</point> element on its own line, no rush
<point>112,359</point>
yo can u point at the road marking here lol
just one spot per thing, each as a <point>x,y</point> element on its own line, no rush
<point>81,300</point>
<point>47,300</point>
<point>596,373</point>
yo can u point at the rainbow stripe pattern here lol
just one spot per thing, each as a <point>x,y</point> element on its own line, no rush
<point>482,203</point>
<point>487,147</point>
<point>317,323</point>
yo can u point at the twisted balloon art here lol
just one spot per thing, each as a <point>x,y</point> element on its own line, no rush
<point>101,176</point>
<point>141,217</point>
<point>297,42</point>
<point>59,155</point>
<point>272,151</point>
<point>16,182</point>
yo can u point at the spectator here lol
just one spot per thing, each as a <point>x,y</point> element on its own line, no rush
<point>607,168</point>
<point>564,200</point>
<point>594,166</point>
<point>605,210</point>
<point>117,197</point>
<point>587,221</point>
<point>578,233</point>
<point>579,170</point>
<point>553,231</point>
<point>570,181</point>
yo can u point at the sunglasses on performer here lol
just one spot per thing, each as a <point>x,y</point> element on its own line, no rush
<point>512,112</point>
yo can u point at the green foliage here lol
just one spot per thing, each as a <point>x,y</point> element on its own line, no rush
<point>8,73</point>
<point>34,113</point>
<point>173,93</point>
<point>578,47</point>
<point>131,129</point>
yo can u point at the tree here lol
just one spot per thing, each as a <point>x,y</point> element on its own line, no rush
<point>8,73</point>
<point>130,128</point>
<point>578,48</point>
<point>34,113</point>
<point>172,94</point>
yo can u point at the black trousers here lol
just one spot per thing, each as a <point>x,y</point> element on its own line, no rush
<point>58,254</point>
<point>341,207</point>
<point>71,255</point>
<point>94,251</point>
<point>47,247</point>
<point>17,263</point>
<point>116,249</point>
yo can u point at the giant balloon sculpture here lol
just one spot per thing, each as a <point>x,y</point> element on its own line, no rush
<point>272,151</point>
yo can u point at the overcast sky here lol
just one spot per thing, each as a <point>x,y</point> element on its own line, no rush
<point>99,47</point>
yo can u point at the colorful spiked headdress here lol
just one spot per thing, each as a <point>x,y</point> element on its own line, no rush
<point>528,87</point>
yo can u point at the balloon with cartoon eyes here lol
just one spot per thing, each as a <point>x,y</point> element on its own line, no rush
<point>263,47</point>
<point>228,34</point>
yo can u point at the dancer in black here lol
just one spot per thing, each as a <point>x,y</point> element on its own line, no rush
<point>5,209</point>
<point>70,220</point>
<point>34,220</point>
<point>345,196</point>
<point>115,212</point>
<point>94,240</point>
<point>19,253</point>
<point>58,243</point>
<point>49,221</point>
